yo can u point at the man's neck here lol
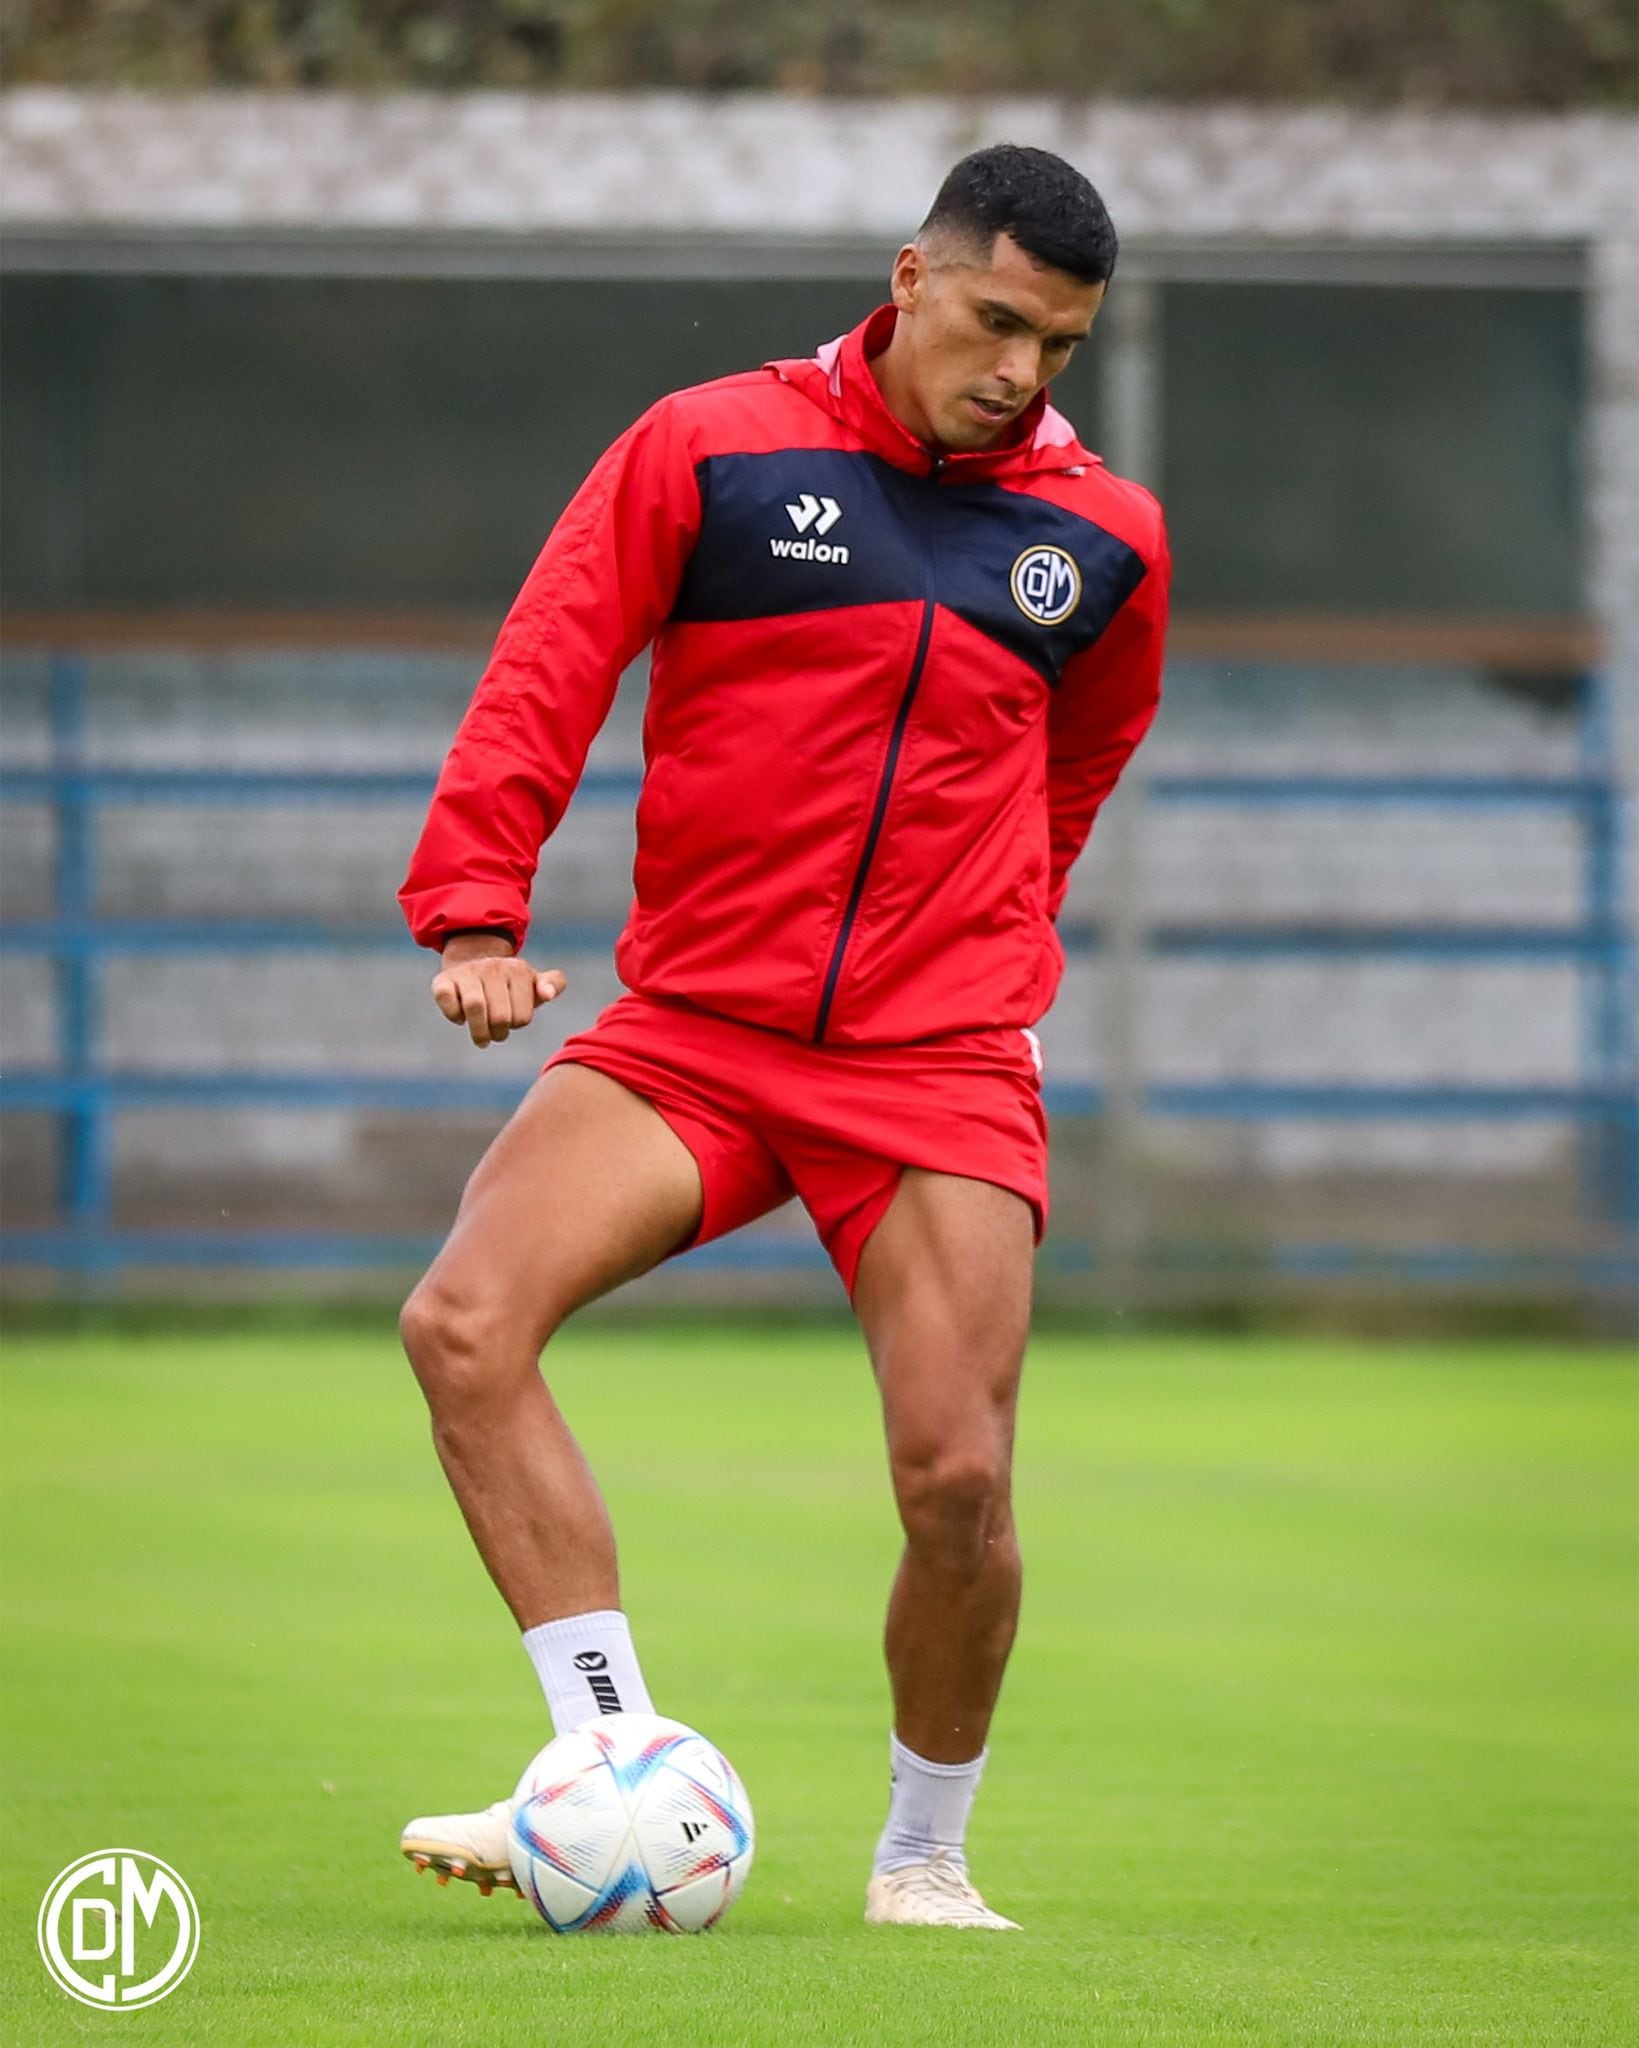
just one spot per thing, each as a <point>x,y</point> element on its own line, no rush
<point>892,375</point>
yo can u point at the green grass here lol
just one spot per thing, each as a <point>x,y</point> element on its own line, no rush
<point>1321,1727</point>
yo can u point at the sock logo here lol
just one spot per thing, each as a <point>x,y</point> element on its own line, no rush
<point>596,1667</point>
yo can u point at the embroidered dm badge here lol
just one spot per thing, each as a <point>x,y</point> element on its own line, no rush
<point>1046,585</point>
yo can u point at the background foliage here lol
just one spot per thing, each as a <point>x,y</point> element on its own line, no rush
<point>1503,53</point>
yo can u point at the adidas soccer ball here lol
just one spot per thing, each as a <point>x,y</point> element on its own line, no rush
<point>631,1822</point>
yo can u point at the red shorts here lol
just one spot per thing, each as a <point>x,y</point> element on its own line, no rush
<point>768,1116</point>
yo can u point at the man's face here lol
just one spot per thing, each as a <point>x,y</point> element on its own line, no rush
<point>981,335</point>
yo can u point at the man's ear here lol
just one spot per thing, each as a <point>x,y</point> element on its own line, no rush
<point>910,272</point>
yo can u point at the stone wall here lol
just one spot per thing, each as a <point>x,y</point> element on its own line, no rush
<point>770,165</point>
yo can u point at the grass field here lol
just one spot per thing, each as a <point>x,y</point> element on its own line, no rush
<point>1321,1727</point>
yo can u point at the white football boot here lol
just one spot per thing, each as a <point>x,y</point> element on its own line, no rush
<point>934,1894</point>
<point>465,1845</point>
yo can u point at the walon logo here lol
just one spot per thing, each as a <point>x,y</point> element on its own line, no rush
<point>118,1929</point>
<point>819,515</point>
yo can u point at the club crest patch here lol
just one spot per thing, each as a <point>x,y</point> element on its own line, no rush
<point>1046,585</point>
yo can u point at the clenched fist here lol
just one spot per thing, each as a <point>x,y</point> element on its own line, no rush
<point>483,984</point>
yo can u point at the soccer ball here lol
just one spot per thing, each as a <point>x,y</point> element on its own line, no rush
<point>631,1822</point>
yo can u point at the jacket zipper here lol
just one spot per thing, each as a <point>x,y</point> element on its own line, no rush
<point>878,813</point>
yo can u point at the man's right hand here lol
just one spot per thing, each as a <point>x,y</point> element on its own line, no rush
<point>485,985</point>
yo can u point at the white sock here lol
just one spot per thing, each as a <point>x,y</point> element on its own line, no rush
<point>587,1666</point>
<point>928,1808</point>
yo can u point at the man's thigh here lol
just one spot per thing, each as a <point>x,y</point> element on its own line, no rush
<point>585,1187</point>
<point>943,1296</point>
<point>868,1128</point>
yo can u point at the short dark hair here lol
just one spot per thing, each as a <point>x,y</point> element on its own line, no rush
<point>1045,204</point>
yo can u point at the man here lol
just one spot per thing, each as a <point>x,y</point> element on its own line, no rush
<point>907,631</point>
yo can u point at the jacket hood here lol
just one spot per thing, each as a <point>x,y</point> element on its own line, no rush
<point>838,379</point>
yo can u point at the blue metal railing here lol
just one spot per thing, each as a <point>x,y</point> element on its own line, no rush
<point>85,1096</point>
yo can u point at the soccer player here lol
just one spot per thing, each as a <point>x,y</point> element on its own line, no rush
<point>906,632</point>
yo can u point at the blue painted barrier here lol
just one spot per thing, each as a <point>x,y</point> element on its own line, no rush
<point>65,938</point>
<point>85,1095</point>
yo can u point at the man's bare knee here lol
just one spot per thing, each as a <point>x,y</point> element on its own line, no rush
<point>954,1502</point>
<point>465,1345</point>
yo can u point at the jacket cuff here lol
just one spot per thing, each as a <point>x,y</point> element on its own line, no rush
<point>433,925</point>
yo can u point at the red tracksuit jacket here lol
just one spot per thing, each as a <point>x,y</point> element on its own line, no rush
<point>888,693</point>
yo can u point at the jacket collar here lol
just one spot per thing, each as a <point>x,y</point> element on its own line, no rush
<point>838,379</point>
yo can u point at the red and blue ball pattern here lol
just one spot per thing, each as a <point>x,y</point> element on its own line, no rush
<point>631,1823</point>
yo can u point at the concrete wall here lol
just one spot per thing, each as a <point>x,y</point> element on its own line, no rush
<point>657,183</point>
<point>492,185</point>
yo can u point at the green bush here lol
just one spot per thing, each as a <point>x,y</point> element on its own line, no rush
<point>1497,53</point>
